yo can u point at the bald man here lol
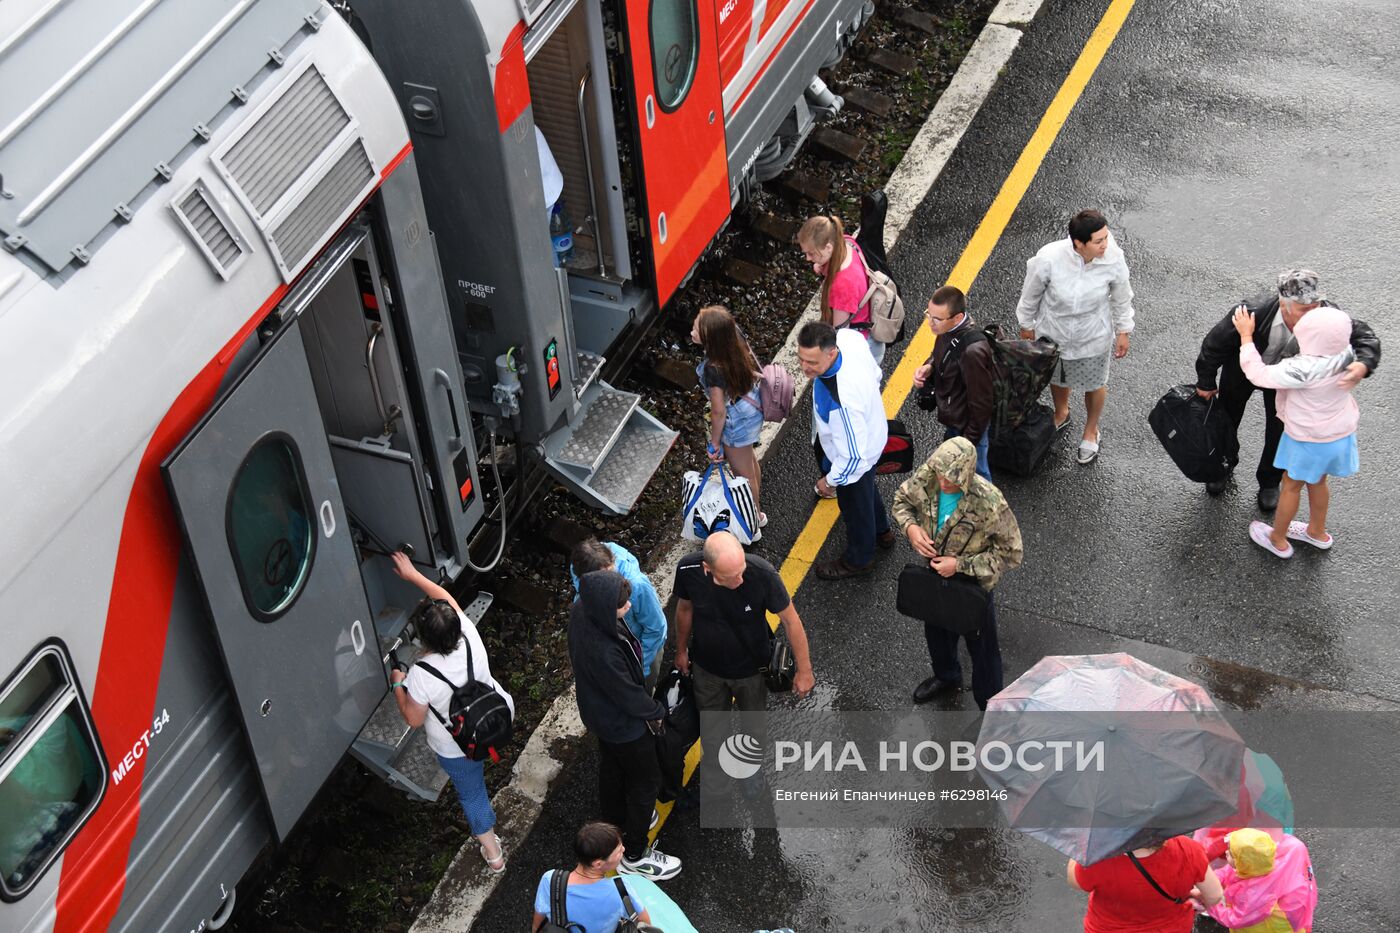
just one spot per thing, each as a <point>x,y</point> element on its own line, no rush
<point>723,596</point>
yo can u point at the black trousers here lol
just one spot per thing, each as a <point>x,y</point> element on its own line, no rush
<point>629,778</point>
<point>1235,390</point>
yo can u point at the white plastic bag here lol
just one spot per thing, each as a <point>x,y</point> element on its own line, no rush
<point>717,501</point>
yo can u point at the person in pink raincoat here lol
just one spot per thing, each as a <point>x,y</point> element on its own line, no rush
<point>1269,886</point>
<point>1319,422</point>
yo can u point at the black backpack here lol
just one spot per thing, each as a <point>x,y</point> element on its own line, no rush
<point>478,717</point>
<point>1021,369</point>
<point>558,919</point>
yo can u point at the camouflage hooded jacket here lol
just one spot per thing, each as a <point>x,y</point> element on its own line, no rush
<point>982,533</point>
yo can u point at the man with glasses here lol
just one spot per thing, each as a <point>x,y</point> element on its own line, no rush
<point>956,381</point>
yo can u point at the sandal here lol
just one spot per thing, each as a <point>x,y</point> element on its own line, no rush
<point>1061,425</point>
<point>1089,451</point>
<point>498,864</point>
<point>1298,531</point>
<point>1260,532</point>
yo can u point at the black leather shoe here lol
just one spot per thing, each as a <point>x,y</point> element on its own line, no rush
<point>1217,487</point>
<point>887,540</point>
<point>838,569</point>
<point>934,687</point>
<point>1268,498</point>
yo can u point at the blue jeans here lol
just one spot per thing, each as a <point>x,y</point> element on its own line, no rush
<point>468,779</point>
<point>864,513</point>
<point>984,470</point>
<point>984,649</point>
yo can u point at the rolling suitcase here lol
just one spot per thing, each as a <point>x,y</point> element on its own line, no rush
<point>1197,434</point>
<point>1021,449</point>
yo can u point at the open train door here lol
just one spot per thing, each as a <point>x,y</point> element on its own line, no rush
<point>257,497</point>
<point>680,128</point>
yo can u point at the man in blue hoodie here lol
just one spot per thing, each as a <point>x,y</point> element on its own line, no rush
<point>646,619</point>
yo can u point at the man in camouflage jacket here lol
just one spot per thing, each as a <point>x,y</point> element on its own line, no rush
<point>978,538</point>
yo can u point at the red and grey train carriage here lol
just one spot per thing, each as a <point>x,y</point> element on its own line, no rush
<point>260,263</point>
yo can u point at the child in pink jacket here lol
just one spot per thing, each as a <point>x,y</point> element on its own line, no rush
<point>1269,886</point>
<point>1319,422</point>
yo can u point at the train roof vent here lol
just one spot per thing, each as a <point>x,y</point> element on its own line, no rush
<point>295,131</point>
<point>216,235</point>
<point>324,208</point>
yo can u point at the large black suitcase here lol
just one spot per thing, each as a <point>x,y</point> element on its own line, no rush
<point>1197,434</point>
<point>1021,449</point>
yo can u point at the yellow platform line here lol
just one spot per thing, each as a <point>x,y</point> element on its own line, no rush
<point>974,256</point>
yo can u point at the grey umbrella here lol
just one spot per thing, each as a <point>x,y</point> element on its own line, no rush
<point>1098,754</point>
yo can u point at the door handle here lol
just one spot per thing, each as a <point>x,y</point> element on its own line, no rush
<point>392,413</point>
<point>440,376</point>
<point>357,637</point>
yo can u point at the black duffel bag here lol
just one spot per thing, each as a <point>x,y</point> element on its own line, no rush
<point>957,603</point>
<point>682,730</point>
<point>1197,434</point>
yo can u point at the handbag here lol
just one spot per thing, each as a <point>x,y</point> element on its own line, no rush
<point>1153,881</point>
<point>782,667</point>
<point>957,604</point>
<point>717,501</point>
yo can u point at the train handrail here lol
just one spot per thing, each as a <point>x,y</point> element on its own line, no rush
<point>390,415</point>
<point>588,167</point>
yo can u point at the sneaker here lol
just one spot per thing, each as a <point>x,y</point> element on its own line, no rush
<point>763,519</point>
<point>654,864</point>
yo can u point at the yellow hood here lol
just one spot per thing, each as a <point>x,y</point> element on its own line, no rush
<point>1253,852</point>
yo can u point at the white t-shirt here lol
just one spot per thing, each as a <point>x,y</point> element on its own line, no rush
<point>427,689</point>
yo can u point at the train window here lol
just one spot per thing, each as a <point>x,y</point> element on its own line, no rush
<point>51,771</point>
<point>675,49</point>
<point>269,519</point>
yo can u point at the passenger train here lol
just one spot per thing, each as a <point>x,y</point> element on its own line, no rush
<point>277,285</point>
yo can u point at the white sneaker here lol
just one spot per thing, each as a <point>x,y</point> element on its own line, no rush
<point>654,864</point>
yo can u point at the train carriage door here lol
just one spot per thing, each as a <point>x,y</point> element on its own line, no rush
<point>680,127</point>
<point>256,494</point>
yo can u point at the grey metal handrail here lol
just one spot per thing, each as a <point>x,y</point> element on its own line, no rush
<point>390,415</point>
<point>588,167</point>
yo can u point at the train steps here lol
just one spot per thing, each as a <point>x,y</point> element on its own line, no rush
<point>392,750</point>
<point>610,450</point>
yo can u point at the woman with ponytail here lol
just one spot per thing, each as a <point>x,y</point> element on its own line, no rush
<point>729,377</point>
<point>835,257</point>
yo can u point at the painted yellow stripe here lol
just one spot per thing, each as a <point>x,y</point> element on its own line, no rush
<point>974,256</point>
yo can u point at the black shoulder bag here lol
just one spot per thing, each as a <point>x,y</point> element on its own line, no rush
<point>629,922</point>
<point>1153,881</point>
<point>957,603</point>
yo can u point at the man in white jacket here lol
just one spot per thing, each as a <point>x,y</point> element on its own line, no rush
<point>851,428</point>
<point>1077,293</point>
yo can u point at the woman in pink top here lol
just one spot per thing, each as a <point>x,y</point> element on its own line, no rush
<point>835,257</point>
<point>1319,422</point>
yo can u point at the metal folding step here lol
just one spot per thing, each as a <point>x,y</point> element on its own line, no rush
<point>610,450</point>
<point>388,746</point>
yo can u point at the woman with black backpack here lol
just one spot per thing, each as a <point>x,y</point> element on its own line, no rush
<point>424,693</point>
<point>585,900</point>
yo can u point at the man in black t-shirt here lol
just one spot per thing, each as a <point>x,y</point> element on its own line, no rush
<point>722,636</point>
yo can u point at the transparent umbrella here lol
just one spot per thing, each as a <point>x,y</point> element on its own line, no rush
<point>1105,753</point>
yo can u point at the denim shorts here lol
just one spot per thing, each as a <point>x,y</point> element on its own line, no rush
<point>742,422</point>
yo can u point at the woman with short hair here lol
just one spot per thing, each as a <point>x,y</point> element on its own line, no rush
<point>1077,293</point>
<point>592,900</point>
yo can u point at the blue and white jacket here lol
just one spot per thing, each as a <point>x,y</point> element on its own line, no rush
<point>849,415</point>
